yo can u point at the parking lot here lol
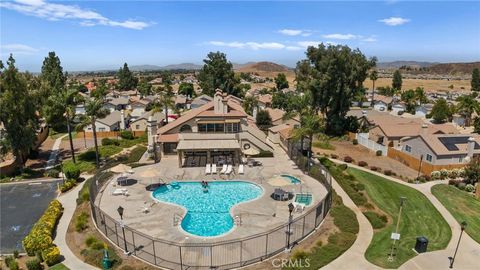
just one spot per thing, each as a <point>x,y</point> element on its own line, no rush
<point>21,205</point>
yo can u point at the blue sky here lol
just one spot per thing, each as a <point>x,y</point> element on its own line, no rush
<point>103,34</point>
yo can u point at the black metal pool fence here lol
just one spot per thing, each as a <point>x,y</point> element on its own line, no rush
<point>222,254</point>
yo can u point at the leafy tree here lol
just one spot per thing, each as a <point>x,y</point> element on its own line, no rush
<point>409,98</point>
<point>17,112</point>
<point>333,75</point>
<point>164,102</point>
<point>263,119</point>
<point>466,106</point>
<point>311,124</point>
<point>249,103</point>
<point>126,79</point>
<point>387,91</point>
<point>472,171</point>
<point>217,73</point>
<point>186,89</point>
<point>93,110</point>
<point>475,83</point>
<point>101,90</point>
<point>52,73</point>
<point>420,95</point>
<point>397,80</point>
<point>440,111</point>
<point>241,89</point>
<point>281,81</point>
<point>280,100</point>
<point>373,77</point>
<point>144,88</point>
<point>476,125</point>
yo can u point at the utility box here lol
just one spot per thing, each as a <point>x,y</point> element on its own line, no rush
<point>421,245</point>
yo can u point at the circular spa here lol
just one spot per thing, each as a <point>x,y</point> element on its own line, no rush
<point>208,204</point>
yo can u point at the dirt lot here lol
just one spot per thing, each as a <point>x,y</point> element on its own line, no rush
<point>358,153</point>
<point>428,85</point>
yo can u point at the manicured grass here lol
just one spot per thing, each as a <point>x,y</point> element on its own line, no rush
<point>136,154</point>
<point>419,218</point>
<point>462,206</point>
<point>59,266</point>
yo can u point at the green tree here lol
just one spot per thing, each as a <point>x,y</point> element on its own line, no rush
<point>310,125</point>
<point>281,81</point>
<point>217,72</point>
<point>475,83</point>
<point>410,100</point>
<point>186,89</point>
<point>126,79</point>
<point>249,103</point>
<point>333,75</point>
<point>93,110</point>
<point>440,111</point>
<point>420,96</point>
<point>472,171</point>
<point>101,89</point>
<point>17,112</point>
<point>164,102</point>
<point>52,74</point>
<point>466,106</point>
<point>373,77</point>
<point>397,80</point>
<point>263,120</point>
<point>476,125</point>
<point>144,88</point>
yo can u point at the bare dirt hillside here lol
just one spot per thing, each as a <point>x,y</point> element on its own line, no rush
<point>263,67</point>
<point>454,68</point>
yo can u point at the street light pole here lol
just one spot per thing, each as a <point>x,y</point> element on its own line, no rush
<point>120,212</point>
<point>155,137</point>
<point>290,210</point>
<point>395,236</point>
<point>463,225</point>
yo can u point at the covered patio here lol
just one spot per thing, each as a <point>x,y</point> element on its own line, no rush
<point>198,153</point>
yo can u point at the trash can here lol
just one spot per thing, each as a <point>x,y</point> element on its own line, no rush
<point>421,245</point>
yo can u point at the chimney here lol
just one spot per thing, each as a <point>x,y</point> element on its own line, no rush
<point>470,147</point>
<point>151,132</point>
<point>122,120</point>
<point>424,130</point>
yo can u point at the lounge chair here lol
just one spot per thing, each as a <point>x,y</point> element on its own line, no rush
<point>299,207</point>
<point>207,169</point>
<point>214,168</point>
<point>240,169</point>
<point>229,169</point>
<point>120,191</point>
<point>224,169</point>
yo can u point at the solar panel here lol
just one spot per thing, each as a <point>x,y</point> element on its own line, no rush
<point>451,142</point>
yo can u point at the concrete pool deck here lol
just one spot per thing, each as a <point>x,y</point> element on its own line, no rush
<point>257,216</point>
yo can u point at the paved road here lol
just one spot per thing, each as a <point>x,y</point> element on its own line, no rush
<point>21,205</point>
<point>468,256</point>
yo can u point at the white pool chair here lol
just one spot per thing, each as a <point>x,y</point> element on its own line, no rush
<point>241,169</point>
<point>214,168</point>
<point>207,169</point>
<point>224,169</point>
<point>120,191</point>
<point>229,169</point>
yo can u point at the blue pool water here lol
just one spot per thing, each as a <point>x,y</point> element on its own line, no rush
<point>292,179</point>
<point>208,213</point>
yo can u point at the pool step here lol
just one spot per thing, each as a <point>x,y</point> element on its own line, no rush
<point>177,219</point>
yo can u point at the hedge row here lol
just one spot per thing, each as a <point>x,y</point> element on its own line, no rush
<point>39,239</point>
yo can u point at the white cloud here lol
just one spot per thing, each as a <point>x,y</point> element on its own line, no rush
<point>18,49</point>
<point>249,45</point>
<point>308,43</point>
<point>341,36</point>
<point>295,32</point>
<point>369,39</point>
<point>394,21</point>
<point>55,12</point>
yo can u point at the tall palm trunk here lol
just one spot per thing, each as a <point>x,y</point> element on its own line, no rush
<point>373,94</point>
<point>69,128</point>
<point>97,159</point>
<point>166,115</point>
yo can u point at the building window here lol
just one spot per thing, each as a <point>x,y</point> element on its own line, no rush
<point>186,128</point>
<point>202,128</point>
<point>408,148</point>
<point>429,158</point>
<point>137,126</point>
<point>460,159</point>
<point>232,127</point>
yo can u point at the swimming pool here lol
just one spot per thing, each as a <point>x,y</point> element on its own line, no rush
<point>208,213</point>
<point>292,179</point>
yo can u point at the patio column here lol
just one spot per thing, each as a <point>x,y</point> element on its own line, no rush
<point>180,158</point>
<point>208,156</point>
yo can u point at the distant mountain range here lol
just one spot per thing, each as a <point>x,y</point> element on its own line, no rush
<point>397,64</point>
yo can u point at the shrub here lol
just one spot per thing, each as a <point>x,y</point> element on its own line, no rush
<point>87,156</point>
<point>53,173</point>
<point>319,243</point>
<point>95,257</point>
<point>71,171</point>
<point>81,223</point>
<point>9,259</point>
<point>461,172</point>
<point>374,168</point>
<point>348,159</point>
<point>443,173</point>
<point>435,175</point>
<point>127,135</point>
<point>13,265</point>
<point>362,163</point>
<point>333,156</point>
<point>461,186</point>
<point>453,182</point>
<point>40,236</point>
<point>69,184</point>
<point>98,245</point>
<point>15,254</point>
<point>51,255</point>
<point>377,221</point>
<point>299,254</point>
<point>34,264</point>
<point>388,172</point>
<point>369,206</point>
<point>263,154</point>
<point>452,174</point>
<point>38,254</point>
<point>355,141</point>
<point>108,141</point>
<point>137,153</point>
<point>469,188</point>
<point>378,153</point>
<point>90,240</point>
<point>343,167</point>
<point>109,150</point>
<point>360,187</point>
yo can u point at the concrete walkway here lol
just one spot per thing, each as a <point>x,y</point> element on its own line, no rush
<point>468,253</point>
<point>69,203</point>
<point>55,150</point>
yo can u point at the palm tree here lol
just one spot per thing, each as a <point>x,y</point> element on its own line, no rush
<point>250,103</point>
<point>420,96</point>
<point>164,102</point>
<point>373,78</point>
<point>466,106</point>
<point>311,124</point>
<point>94,110</point>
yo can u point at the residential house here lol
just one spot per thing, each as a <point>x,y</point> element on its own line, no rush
<point>280,135</point>
<point>382,103</point>
<point>398,108</point>
<point>200,101</point>
<point>138,107</point>
<point>216,132</point>
<point>277,117</point>
<point>264,101</point>
<point>458,120</point>
<point>423,110</point>
<point>140,123</point>
<point>181,101</point>
<point>112,122</point>
<point>116,104</point>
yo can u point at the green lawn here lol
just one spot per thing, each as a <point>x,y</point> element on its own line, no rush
<point>462,206</point>
<point>419,218</point>
<point>59,266</point>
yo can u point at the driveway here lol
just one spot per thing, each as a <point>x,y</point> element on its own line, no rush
<point>21,205</point>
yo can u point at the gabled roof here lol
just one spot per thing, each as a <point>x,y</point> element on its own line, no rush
<point>111,118</point>
<point>158,116</point>
<point>448,144</point>
<point>275,114</point>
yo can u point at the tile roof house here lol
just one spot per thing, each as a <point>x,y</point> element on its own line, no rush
<point>264,101</point>
<point>112,122</point>
<point>140,123</point>
<point>215,132</point>
<point>381,103</point>
<point>200,101</point>
<point>277,117</point>
<point>117,104</point>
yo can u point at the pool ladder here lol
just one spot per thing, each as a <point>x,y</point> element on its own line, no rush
<point>177,219</point>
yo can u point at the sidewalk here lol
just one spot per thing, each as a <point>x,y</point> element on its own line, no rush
<point>55,150</point>
<point>469,251</point>
<point>69,203</point>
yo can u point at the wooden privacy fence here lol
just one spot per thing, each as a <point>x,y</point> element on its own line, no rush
<point>107,134</point>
